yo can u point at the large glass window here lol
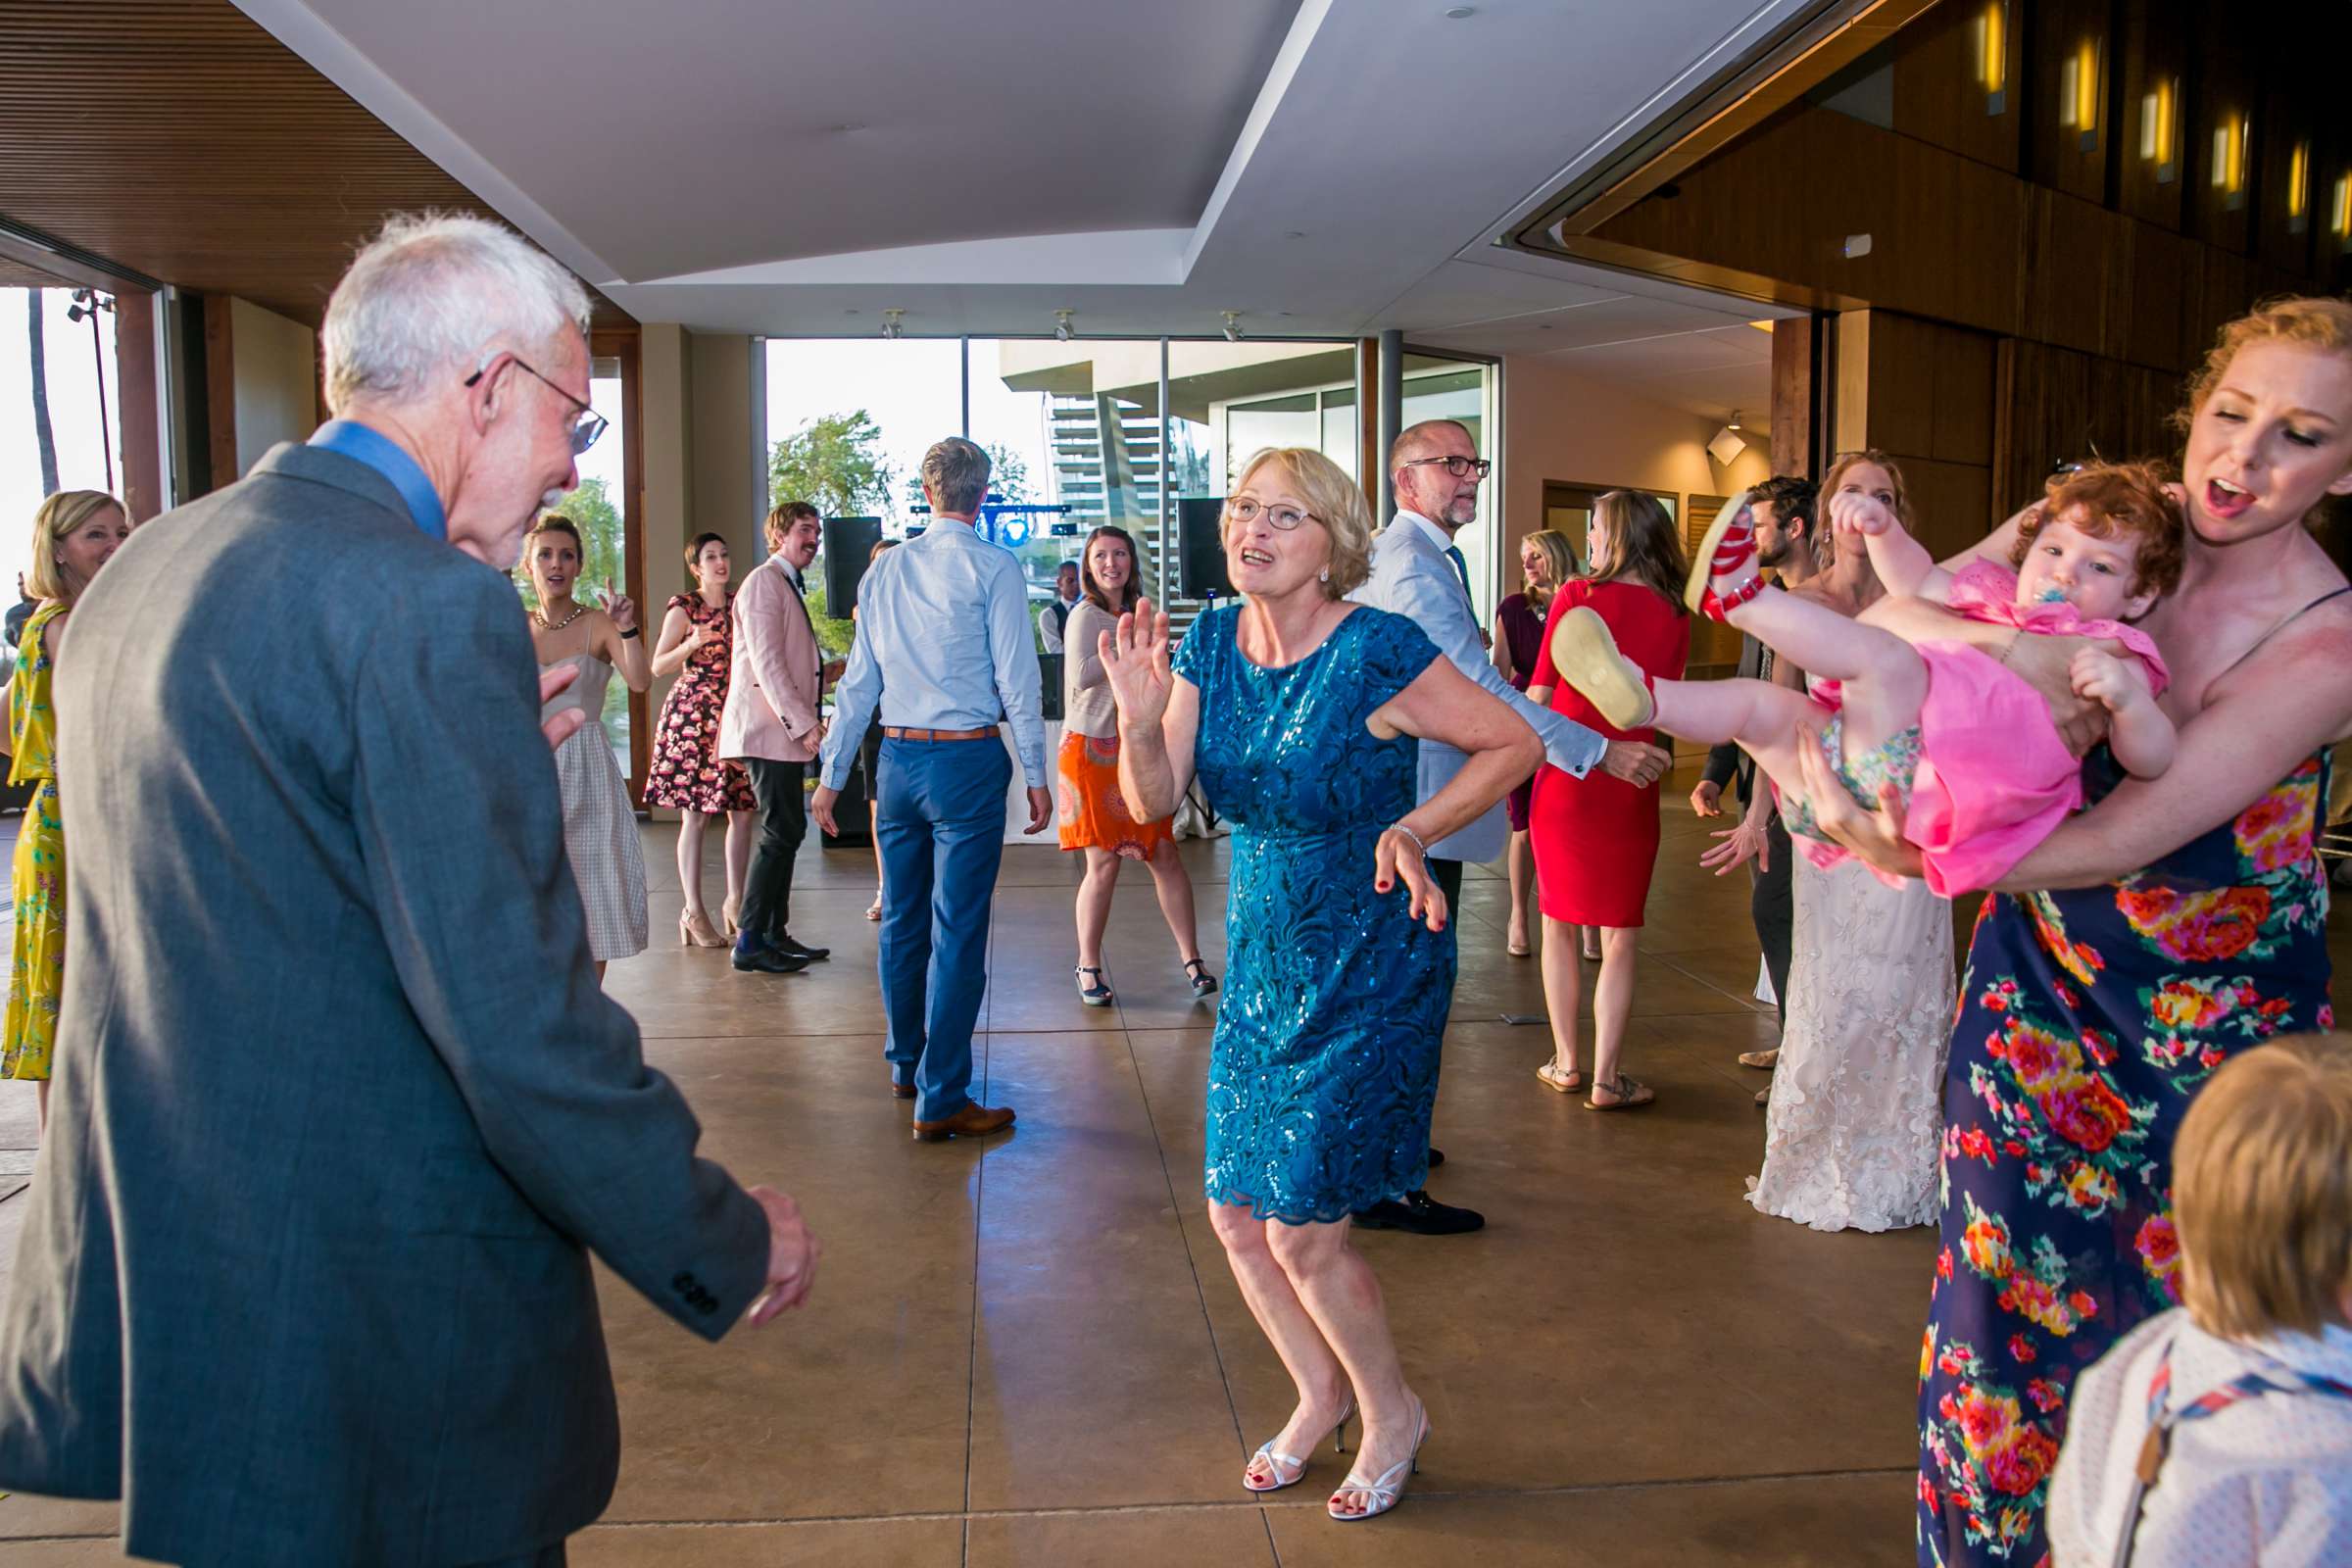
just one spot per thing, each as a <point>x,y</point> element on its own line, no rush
<point>1465,391</point>
<point>848,420</point>
<point>60,424</point>
<point>1075,431</point>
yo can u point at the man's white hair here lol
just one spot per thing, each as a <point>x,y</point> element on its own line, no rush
<point>434,292</point>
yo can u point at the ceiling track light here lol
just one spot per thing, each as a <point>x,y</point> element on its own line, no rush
<point>893,323</point>
<point>1233,325</point>
<point>1062,330</point>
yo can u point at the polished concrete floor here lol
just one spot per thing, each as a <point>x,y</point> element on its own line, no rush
<point>1029,1350</point>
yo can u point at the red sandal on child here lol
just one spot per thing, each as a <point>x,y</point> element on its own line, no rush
<point>1729,543</point>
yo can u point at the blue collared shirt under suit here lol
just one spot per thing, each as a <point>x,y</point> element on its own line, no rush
<point>943,643</point>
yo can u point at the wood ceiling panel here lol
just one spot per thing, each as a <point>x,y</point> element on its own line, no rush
<point>179,138</point>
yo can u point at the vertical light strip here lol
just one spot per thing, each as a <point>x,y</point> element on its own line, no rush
<point>2298,188</point>
<point>1991,33</point>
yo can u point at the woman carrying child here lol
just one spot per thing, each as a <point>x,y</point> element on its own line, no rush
<point>2177,922</point>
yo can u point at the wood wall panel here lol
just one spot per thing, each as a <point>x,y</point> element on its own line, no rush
<point>2222,85</point>
<point>220,393</point>
<point>179,138</point>
<point>1951,502</point>
<point>1938,97</point>
<point>2055,155</point>
<point>2151,63</point>
<point>2292,91</point>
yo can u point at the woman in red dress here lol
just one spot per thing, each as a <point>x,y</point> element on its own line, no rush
<point>1597,838</point>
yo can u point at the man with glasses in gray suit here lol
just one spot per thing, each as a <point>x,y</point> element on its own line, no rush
<point>1418,570</point>
<point>341,1110</point>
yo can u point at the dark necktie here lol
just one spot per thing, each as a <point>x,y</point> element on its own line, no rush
<point>1461,564</point>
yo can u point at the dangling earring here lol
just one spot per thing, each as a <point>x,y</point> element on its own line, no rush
<point>1323,576</point>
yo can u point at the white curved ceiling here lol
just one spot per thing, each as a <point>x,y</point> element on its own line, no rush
<point>795,167</point>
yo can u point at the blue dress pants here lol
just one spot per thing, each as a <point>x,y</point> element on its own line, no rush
<point>940,818</point>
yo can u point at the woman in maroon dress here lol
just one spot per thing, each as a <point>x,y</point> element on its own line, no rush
<point>1597,838</point>
<point>686,773</point>
<point>1546,560</point>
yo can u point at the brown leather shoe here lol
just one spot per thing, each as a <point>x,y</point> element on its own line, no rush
<point>974,1120</point>
<point>899,1091</point>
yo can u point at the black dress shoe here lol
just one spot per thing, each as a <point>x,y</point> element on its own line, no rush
<point>1418,1214</point>
<point>800,950</point>
<point>768,960</point>
<point>1437,1158</point>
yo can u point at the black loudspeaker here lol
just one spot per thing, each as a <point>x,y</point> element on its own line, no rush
<point>848,541</point>
<point>1200,524</point>
<point>1048,685</point>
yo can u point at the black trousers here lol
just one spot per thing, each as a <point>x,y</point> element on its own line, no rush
<point>545,1557</point>
<point>1449,880</point>
<point>1771,904</point>
<point>783,823</point>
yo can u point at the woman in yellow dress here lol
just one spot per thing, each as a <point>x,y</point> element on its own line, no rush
<point>74,534</point>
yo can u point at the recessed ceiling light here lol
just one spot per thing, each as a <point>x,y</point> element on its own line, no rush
<point>1294,234</point>
<point>848,313</point>
<point>1762,326</point>
<point>1461,13</point>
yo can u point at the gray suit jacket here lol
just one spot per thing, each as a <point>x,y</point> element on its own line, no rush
<point>1412,576</point>
<point>339,1110</point>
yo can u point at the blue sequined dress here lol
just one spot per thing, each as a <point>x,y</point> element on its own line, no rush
<point>1325,1063</point>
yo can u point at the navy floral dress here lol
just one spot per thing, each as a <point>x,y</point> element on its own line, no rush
<point>2087,1020</point>
<point>1325,1063</point>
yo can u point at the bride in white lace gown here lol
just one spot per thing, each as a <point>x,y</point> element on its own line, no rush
<point>1856,1112</point>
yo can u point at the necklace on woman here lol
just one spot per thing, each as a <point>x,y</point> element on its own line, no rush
<point>577,611</point>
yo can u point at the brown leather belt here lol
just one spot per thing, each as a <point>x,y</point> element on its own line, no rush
<point>896,733</point>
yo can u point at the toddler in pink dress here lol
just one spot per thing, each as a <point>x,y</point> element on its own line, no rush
<point>1967,743</point>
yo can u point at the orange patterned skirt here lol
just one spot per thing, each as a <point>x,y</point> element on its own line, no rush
<point>1093,811</point>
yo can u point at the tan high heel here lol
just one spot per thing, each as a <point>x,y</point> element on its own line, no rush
<point>694,931</point>
<point>727,912</point>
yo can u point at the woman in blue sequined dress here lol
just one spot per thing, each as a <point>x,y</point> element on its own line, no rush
<point>1299,712</point>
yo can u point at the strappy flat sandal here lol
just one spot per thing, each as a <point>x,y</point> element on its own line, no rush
<point>1631,1092</point>
<point>1205,984</point>
<point>873,910</point>
<point>1096,994</point>
<point>1567,1083</point>
<point>1289,1470</point>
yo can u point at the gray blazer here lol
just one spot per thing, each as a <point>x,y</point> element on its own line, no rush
<point>339,1110</point>
<point>1412,576</point>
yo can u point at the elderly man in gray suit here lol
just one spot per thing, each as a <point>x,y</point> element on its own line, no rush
<point>1418,570</point>
<point>340,1108</point>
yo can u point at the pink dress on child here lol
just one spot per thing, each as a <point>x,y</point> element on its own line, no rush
<point>1994,775</point>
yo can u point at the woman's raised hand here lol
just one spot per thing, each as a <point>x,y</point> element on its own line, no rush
<point>1135,661</point>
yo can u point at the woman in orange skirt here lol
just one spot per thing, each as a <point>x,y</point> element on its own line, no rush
<point>1094,814</point>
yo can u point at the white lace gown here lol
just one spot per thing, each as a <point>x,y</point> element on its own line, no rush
<point>1857,1099</point>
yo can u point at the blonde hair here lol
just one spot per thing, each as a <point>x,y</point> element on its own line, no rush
<point>1560,552</point>
<point>2323,324</point>
<point>1643,546</point>
<point>2262,1191</point>
<point>55,519</point>
<point>1333,500</point>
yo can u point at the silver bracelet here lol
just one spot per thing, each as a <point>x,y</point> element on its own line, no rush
<point>1399,827</point>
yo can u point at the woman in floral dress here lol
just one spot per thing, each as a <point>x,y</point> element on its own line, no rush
<point>2177,922</point>
<point>74,533</point>
<point>686,773</point>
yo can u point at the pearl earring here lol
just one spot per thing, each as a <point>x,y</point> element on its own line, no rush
<point>1324,575</point>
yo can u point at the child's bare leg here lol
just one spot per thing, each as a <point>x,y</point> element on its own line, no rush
<point>1884,680</point>
<point>1762,717</point>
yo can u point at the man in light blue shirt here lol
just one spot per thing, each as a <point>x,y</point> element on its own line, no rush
<point>944,645</point>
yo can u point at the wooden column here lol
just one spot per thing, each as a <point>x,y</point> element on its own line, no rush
<point>134,389</point>
<point>219,392</point>
<point>1794,344</point>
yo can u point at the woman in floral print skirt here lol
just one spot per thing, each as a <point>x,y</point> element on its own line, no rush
<point>2176,922</point>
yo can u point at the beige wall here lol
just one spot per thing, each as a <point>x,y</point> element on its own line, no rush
<point>277,370</point>
<point>1559,425</point>
<point>724,500</point>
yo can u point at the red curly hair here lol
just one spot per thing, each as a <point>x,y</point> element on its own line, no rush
<point>2118,501</point>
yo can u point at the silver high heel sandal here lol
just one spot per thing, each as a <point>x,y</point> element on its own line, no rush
<point>1389,1490</point>
<point>1288,1469</point>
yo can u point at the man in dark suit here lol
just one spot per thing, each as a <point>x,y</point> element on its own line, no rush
<point>1783,510</point>
<point>340,1109</point>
